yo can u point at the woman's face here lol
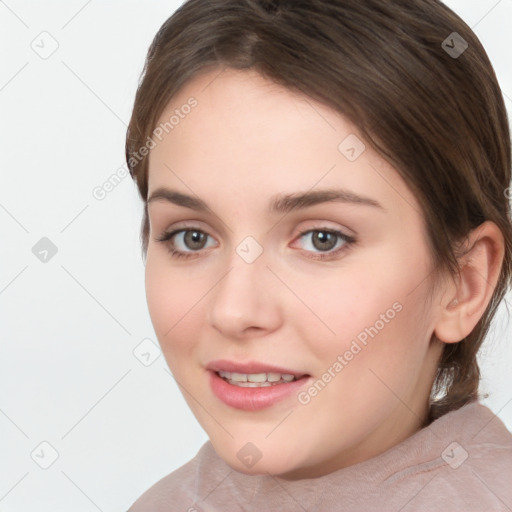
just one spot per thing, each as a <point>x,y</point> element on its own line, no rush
<point>334,292</point>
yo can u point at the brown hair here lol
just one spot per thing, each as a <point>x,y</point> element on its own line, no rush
<point>439,119</point>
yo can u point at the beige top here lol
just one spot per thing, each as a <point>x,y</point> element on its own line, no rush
<point>461,462</point>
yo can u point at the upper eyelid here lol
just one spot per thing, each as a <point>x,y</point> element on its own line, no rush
<point>319,224</point>
<point>320,219</point>
<point>178,229</point>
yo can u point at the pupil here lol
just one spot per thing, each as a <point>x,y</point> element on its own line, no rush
<point>194,237</point>
<point>323,237</point>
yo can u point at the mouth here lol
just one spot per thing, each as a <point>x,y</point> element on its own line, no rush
<point>258,380</point>
<point>253,374</point>
<point>254,386</point>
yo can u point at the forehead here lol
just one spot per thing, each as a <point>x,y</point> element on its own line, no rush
<point>245,130</point>
<point>246,109</point>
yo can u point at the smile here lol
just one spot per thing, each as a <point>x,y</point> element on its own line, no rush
<point>255,396</point>
<point>256,380</point>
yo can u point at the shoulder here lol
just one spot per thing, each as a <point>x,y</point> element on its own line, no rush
<point>479,466</point>
<point>177,488</point>
<point>472,465</point>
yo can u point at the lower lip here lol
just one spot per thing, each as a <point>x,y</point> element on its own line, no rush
<point>252,399</point>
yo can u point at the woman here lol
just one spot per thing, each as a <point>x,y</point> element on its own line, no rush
<point>327,237</point>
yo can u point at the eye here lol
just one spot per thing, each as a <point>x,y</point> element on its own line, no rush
<point>325,240</point>
<point>194,239</point>
<point>189,242</point>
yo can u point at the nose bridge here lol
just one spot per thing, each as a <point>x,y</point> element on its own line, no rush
<point>242,298</point>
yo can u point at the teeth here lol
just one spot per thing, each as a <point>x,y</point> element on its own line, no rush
<point>251,380</point>
<point>257,377</point>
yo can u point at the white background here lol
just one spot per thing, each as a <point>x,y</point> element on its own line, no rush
<point>69,327</point>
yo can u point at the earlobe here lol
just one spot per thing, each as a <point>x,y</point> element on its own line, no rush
<point>480,267</point>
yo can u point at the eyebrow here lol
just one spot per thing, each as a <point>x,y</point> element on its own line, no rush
<point>281,203</point>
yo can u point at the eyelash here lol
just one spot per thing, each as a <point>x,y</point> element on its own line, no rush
<point>349,241</point>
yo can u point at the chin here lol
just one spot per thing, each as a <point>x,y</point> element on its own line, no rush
<point>274,469</point>
<point>275,463</point>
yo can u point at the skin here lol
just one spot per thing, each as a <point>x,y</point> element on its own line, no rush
<point>247,140</point>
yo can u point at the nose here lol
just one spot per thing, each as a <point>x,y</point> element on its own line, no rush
<point>245,301</point>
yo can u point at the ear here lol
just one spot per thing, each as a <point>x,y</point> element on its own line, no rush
<point>464,303</point>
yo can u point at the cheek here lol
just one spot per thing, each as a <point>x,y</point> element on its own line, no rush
<point>379,317</point>
<point>341,305</point>
<point>174,308</point>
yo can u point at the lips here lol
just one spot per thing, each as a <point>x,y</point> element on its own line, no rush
<point>251,367</point>
<point>257,398</point>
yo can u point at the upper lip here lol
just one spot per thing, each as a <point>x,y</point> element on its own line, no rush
<point>249,367</point>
